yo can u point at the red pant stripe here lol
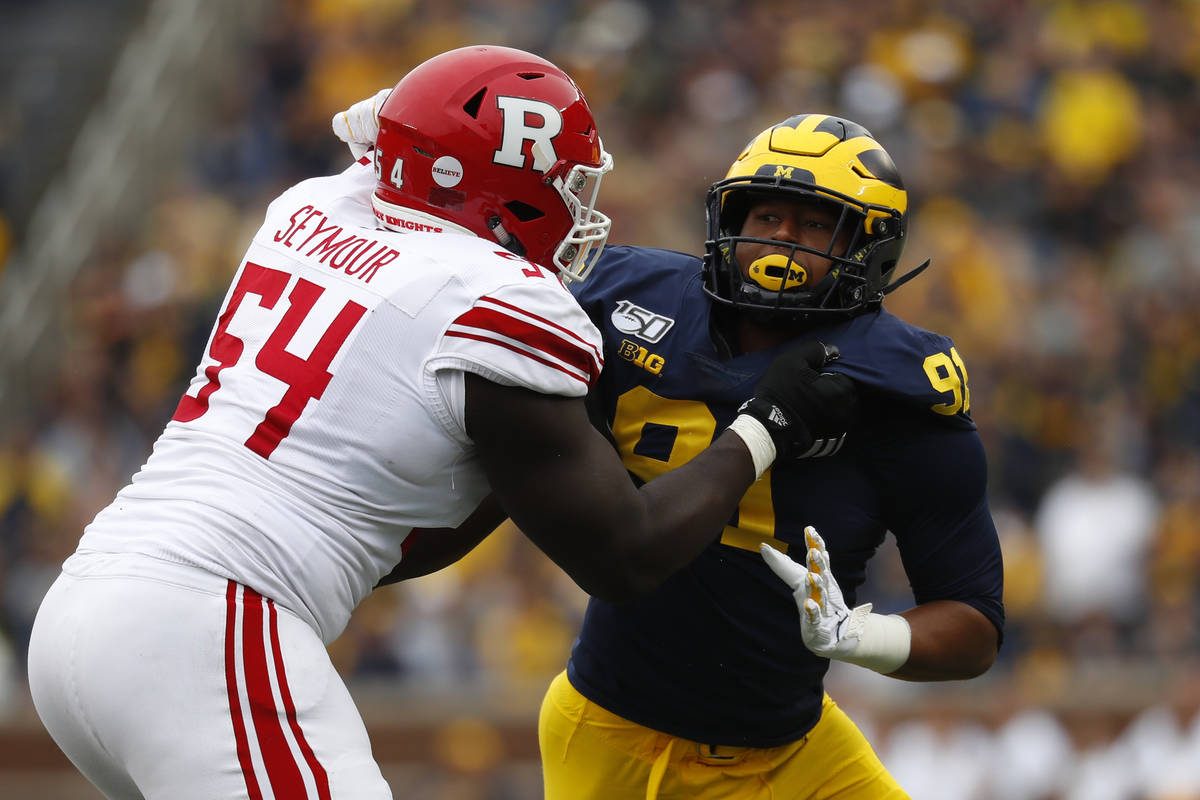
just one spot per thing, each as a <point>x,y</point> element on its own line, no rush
<point>318,772</point>
<point>231,685</point>
<point>282,770</point>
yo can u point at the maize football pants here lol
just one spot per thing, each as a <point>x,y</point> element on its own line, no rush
<point>589,753</point>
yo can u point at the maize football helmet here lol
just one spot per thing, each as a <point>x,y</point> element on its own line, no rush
<point>832,161</point>
<point>500,142</point>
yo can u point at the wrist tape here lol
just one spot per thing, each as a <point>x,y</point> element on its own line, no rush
<point>883,644</point>
<point>758,442</point>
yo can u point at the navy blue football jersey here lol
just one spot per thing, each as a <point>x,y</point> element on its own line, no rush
<point>715,653</point>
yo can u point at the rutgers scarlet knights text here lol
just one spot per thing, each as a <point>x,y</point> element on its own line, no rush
<point>312,235</point>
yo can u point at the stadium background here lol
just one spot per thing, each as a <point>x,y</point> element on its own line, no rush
<point>1052,153</point>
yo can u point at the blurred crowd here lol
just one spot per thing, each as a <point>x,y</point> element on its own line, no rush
<point>1051,149</point>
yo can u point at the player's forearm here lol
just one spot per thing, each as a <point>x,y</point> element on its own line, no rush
<point>950,641</point>
<point>682,512</point>
<point>431,549</point>
<point>700,496</point>
<point>639,537</point>
<point>565,487</point>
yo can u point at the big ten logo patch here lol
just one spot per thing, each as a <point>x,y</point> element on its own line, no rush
<point>631,351</point>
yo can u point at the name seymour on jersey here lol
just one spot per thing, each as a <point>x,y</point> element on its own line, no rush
<point>355,255</point>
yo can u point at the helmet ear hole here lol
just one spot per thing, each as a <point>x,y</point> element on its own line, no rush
<point>523,211</point>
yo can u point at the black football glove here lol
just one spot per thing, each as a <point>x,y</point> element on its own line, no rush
<point>806,412</point>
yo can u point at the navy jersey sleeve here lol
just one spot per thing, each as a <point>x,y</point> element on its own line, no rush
<point>933,481</point>
<point>927,459</point>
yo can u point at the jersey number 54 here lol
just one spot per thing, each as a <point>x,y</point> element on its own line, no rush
<point>306,378</point>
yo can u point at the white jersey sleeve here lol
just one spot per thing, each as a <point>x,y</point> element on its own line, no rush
<point>510,336</point>
<point>518,335</point>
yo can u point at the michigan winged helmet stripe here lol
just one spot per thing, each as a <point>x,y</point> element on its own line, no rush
<point>829,153</point>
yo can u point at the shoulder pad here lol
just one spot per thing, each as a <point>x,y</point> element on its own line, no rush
<point>624,269</point>
<point>894,358</point>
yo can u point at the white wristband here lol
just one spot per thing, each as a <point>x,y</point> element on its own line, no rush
<point>758,442</point>
<point>883,645</point>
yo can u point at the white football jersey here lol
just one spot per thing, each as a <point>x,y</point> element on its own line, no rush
<point>325,421</point>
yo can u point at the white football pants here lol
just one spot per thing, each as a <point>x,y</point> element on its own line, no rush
<point>165,682</point>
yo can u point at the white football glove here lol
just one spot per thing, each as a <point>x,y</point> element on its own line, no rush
<point>828,627</point>
<point>358,125</point>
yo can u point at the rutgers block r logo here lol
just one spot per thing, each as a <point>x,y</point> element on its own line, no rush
<point>517,112</point>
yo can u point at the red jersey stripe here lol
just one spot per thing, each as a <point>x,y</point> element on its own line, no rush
<point>483,320</point>
<point>507,317</point>
<point>500,343</point>
<point>565,331</point>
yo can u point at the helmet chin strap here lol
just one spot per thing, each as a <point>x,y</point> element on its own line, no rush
<point>905,278</point>
<point>506,239</point>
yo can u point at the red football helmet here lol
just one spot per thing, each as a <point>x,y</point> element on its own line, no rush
<point>500,142</point>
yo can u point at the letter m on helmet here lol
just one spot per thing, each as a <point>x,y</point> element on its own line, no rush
<point>517,113</point>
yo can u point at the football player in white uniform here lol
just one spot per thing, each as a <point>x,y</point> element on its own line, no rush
<point>397,342</point>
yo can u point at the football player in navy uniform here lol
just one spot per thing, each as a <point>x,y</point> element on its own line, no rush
<point>707,687</point>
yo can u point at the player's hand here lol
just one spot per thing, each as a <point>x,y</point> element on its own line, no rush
<point>806,412</point>
<point>358,125</point>
<point>830,628</point>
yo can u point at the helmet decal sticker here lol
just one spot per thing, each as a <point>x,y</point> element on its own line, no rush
<point>447,171</point>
